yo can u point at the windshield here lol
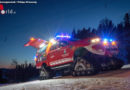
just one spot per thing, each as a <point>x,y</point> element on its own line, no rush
<point>73,40</point>
<point>42,49</point>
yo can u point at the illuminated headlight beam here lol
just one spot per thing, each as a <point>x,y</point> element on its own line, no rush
<point>42,45</point>
<point>53,41</point>
<point>95,40</point>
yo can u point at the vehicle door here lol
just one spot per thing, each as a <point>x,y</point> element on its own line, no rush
<point>53,55</point>
<point>65,51</point>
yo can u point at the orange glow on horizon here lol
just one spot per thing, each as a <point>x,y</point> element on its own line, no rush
<point>7,66</point>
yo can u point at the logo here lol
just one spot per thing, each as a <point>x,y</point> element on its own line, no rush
<point>2,11</point>
<point>8,11</point>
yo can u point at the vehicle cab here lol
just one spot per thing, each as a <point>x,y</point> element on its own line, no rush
<point>60,53</point>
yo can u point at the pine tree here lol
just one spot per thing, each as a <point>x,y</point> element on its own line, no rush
<point>127,21</point>
<point>73,33</point>
<point>127,34</point>
<point>106,28</point>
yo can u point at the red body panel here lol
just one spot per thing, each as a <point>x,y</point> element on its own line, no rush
<point>35,42</point>
<point>1,7</point>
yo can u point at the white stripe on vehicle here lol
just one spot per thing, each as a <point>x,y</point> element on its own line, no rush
<point>89,48</point>
<point>61,61</point>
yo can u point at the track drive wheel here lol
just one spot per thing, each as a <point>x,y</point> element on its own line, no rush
<point>83,67</point>
<point>116,63</point>
<point>44,73</point>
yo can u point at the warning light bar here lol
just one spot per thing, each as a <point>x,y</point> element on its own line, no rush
<point>107,41</point>
<point>63,36</point>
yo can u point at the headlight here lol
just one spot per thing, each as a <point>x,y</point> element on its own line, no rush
<point>53,41</point>
<point>42,45</point>
<point>95,40</point>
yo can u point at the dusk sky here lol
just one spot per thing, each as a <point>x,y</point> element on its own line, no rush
<point>49,17</point>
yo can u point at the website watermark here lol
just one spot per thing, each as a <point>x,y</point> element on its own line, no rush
<point>7,11</point>
<point>19,2</point>
<point>4,11</point>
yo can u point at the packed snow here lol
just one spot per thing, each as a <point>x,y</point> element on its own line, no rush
<point>112,80</point>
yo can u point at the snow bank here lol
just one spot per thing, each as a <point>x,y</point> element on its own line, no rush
<point>126,66</point>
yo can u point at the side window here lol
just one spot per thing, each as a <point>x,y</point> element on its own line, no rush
<point>53,47</point>
<point>63,43</point>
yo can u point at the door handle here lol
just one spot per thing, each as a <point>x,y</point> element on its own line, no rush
<point>64,51</point>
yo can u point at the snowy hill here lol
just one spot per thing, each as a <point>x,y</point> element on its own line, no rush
<point>112,80</point>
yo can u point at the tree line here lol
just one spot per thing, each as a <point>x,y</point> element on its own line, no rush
<point>19,73</point>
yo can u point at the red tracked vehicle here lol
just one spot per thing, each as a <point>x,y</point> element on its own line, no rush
<point>78,57</point>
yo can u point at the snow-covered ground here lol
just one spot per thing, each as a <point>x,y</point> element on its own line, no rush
<point>112,80</point>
